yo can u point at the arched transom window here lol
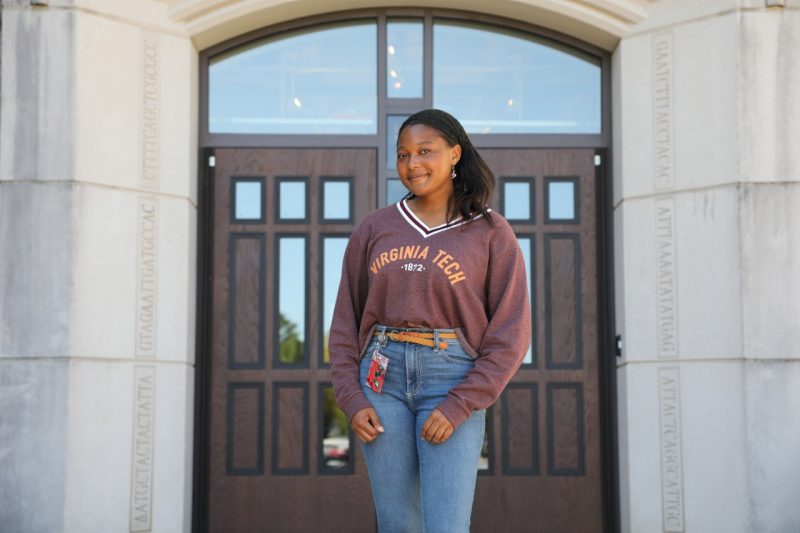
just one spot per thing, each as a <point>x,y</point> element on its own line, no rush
<point>337,78</point>
<point>351,80</point>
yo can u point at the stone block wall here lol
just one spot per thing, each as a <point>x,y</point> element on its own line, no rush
<point>708,270</point>
<point>98,218</point>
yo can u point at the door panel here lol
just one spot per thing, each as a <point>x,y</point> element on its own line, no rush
<point>546,473</point>
<point>276,463</point>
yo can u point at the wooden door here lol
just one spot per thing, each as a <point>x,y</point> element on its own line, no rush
<point>280,455</point>
<point>275,460</point>
<point>544,469</point>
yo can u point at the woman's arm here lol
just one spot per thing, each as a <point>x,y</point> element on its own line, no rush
<point>507,336</point>
<point>343,343</point>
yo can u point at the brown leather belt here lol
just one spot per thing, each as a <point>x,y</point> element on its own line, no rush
<point>417,337</point>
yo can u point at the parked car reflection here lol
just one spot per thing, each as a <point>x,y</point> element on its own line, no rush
<point>336,451</point>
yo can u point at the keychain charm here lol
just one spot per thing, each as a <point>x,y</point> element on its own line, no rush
<point>377,371</point>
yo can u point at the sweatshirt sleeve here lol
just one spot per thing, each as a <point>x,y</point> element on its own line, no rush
<point>343,340</point>
<point>507,336</point>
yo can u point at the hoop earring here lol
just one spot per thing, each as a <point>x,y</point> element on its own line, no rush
<point>453,172</point>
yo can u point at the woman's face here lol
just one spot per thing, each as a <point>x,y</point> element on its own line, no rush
<point>424,161</point>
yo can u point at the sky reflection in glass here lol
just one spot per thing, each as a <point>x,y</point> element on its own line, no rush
<point>337,200</point>
<point>404,59</point>
<point>501,81</point>
<point>517,200</point>
<point>525,246</point>
<point>248,200</point>
<point>292,291</point>
<point>561,199</point>
<point>320,81</point>
<point>333,253</point>
<point>292,200</point>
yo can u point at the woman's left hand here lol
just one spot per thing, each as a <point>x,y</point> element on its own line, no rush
<point>437,428</point>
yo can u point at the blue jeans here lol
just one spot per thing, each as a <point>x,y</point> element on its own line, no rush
<point>418,486</point>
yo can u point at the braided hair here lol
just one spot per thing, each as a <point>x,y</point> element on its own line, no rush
<point>474,181</point>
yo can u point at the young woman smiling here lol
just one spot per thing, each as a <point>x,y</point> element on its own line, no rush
<point>431,322</point>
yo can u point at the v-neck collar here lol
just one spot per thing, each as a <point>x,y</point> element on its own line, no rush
<point>415,222</point>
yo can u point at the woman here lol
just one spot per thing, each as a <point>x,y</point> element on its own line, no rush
<point>431,322</point>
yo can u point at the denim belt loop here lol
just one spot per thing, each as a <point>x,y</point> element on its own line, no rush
<point>435,340</point>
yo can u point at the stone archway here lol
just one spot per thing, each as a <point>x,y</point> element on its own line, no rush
<point>601,23</point>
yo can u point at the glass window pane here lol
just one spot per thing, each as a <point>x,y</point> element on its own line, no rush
<point>319,81</point>
<point>395,191</point>
<point>525,246</point>
<point>561,200</point>
<point>393,123</point>
<point>292,200</point>
<point>337,200</point>
<point>247,196</point>
<point>333,256</point>
<point>291,299</point>
<point>485,460</point>
<point>404,59</point>
<point>503,81</point>
<point>517,200</point>
<point>336,433</point>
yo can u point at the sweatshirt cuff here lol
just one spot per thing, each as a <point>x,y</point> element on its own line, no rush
<point>354,404</point>
<point>454,410</point>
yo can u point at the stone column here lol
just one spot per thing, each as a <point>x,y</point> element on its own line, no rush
<point>98,214</point>
<point>707,182</point>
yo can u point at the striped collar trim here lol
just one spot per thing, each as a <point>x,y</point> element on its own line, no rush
<point>421,227</point>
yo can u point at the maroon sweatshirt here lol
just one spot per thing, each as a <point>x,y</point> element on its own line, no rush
<point>466,275</point>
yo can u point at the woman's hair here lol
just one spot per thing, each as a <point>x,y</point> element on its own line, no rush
<point>474,182</point>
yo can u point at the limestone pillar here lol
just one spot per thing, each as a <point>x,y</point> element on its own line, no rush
<point>98,215</point>
<point>707,230</point>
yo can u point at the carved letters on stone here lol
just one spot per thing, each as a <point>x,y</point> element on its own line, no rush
<point>663,122</point>
<point>150,144</point>
<point>666,279</point>
<point>147,277</point>
<point>672,512</point>
<point>142,461</point>
<point>668,377</point>
<point>141,501</point>
<point>671,456</point>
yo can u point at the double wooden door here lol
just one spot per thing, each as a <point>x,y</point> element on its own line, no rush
<point>279,454</point>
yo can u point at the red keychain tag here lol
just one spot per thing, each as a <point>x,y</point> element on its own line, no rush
<point>377,371</point>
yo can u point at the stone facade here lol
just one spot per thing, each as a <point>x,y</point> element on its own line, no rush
<point>99,211</point>
<point>98,239</point>
<point>706,169</point>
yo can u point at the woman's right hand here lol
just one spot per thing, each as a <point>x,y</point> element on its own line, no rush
<point>366,425</point>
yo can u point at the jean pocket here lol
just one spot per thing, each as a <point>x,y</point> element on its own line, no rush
<point>455,353</point>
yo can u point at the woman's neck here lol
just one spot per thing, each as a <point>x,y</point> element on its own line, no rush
<point>433,213</point>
